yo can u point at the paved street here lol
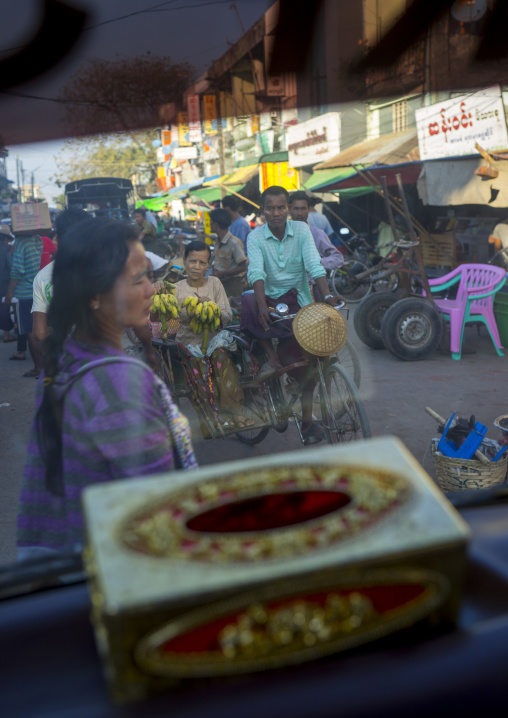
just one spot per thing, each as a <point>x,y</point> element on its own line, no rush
<point>395,394</point>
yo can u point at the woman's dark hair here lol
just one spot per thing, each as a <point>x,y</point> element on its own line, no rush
<point>197,246</point>
<point>88,263</point>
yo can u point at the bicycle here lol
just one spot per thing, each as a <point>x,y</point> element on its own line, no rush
<point>355,280</point>
<point>271,404</point>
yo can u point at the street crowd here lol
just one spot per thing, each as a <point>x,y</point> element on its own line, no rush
<point>103,415</point>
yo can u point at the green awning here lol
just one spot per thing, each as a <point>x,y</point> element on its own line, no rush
<point>320,179</point>
<point>353,192</point>
<point>157,203</point>
<point>212,194</point>
<point>282,156</point>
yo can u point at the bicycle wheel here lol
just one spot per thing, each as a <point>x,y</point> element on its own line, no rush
<point>255,410</point>
<point>164,373</point>
<point>343,281</point>
<point>348,359</point>
<point>343,414</point>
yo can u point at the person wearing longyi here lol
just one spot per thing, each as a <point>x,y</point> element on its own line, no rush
<point>281,253</point>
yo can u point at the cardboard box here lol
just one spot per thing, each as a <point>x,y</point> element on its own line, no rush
<point>258,564</point>
<point>32,218</point>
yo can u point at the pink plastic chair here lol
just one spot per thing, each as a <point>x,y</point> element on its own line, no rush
<point>474,302</point>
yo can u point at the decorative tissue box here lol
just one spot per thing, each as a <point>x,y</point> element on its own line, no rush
<point>258,564</point>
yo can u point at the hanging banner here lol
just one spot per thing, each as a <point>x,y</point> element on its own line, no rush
<point>451,128</point>
<point>210,114</point>
<point>194,118</point>
<point>166,137</point>
<point>280,174</point>
<point>252,125</point>
<point>183,129</point>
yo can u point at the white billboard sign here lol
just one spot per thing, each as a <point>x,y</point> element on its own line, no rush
<point>185,153</point>
<point>314,141</point>
<point>451,128</point>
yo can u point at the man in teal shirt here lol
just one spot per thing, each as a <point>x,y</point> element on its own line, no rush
<point>281,253</point>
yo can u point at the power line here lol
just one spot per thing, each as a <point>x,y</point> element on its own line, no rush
<point>154,8</point>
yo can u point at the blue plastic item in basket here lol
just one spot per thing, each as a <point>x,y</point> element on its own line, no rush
<point>470,445</point>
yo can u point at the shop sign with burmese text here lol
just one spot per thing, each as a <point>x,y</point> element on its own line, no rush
<point>315,140</point>
<point>453,127</point>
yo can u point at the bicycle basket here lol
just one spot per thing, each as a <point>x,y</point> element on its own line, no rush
<point>320,329</point>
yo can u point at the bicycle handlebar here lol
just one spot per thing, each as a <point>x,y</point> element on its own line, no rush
<point>278,318</point>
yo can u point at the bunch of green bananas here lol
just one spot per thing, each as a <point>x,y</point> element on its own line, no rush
<point>205,316</point>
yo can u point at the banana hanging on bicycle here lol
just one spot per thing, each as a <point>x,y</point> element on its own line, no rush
<point>205,317</point>
<point>165,304</point>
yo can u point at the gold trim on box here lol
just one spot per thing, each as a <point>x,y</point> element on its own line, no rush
<point>160,528</point>
<point>261,636</point>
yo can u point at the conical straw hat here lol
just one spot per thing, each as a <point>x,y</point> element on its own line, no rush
<point>320,329</point>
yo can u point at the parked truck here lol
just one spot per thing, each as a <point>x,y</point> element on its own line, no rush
<point>111,197</point>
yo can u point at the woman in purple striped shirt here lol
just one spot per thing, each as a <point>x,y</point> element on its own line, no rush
<point>100,415</point>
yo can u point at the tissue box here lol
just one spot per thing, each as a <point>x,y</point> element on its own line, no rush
<point>259,564</point>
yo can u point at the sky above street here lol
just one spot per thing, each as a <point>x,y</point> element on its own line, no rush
<point>195,31</point>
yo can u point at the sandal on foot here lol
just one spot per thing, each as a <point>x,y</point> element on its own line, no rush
<point>33,374</point>
<point>313,435</point>
<point>9,339</point>
<point>267,371</point>
<point>16,358</point>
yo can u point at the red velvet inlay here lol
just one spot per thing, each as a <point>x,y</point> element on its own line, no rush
<point>204,638</point>
<point>273,511</point>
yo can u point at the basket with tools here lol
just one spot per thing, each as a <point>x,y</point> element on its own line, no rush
<point>464,458</point>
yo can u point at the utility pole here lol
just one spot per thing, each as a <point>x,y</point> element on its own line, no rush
<point>220,139</point>
<point>33,198</point>
<point>23,180</point>
<point>17,178</point>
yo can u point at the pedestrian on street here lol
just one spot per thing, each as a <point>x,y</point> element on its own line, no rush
<point>147,233</point>
<point>100,415</point>
<point>230,260</point>
<point>331,258</point>
<point>26,260</point>
<point>239,226</point>
<point>43,281</point>
<point>5,276</point>
<point>316,219</point>
<point>281,254</point>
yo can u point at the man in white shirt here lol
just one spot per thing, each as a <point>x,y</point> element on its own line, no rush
<point>500,232</point>
<point>43,281</point>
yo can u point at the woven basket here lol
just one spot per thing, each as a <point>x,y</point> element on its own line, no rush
<point>173,327</point>
<point>320,329</point>
<point>465,474</point>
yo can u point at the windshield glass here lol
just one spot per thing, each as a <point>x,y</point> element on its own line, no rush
<point>382,125</point>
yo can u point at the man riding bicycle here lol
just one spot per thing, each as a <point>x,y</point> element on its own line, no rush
<point>281,253</point>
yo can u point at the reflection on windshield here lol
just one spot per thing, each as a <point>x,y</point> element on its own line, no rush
<point>141,261</point>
